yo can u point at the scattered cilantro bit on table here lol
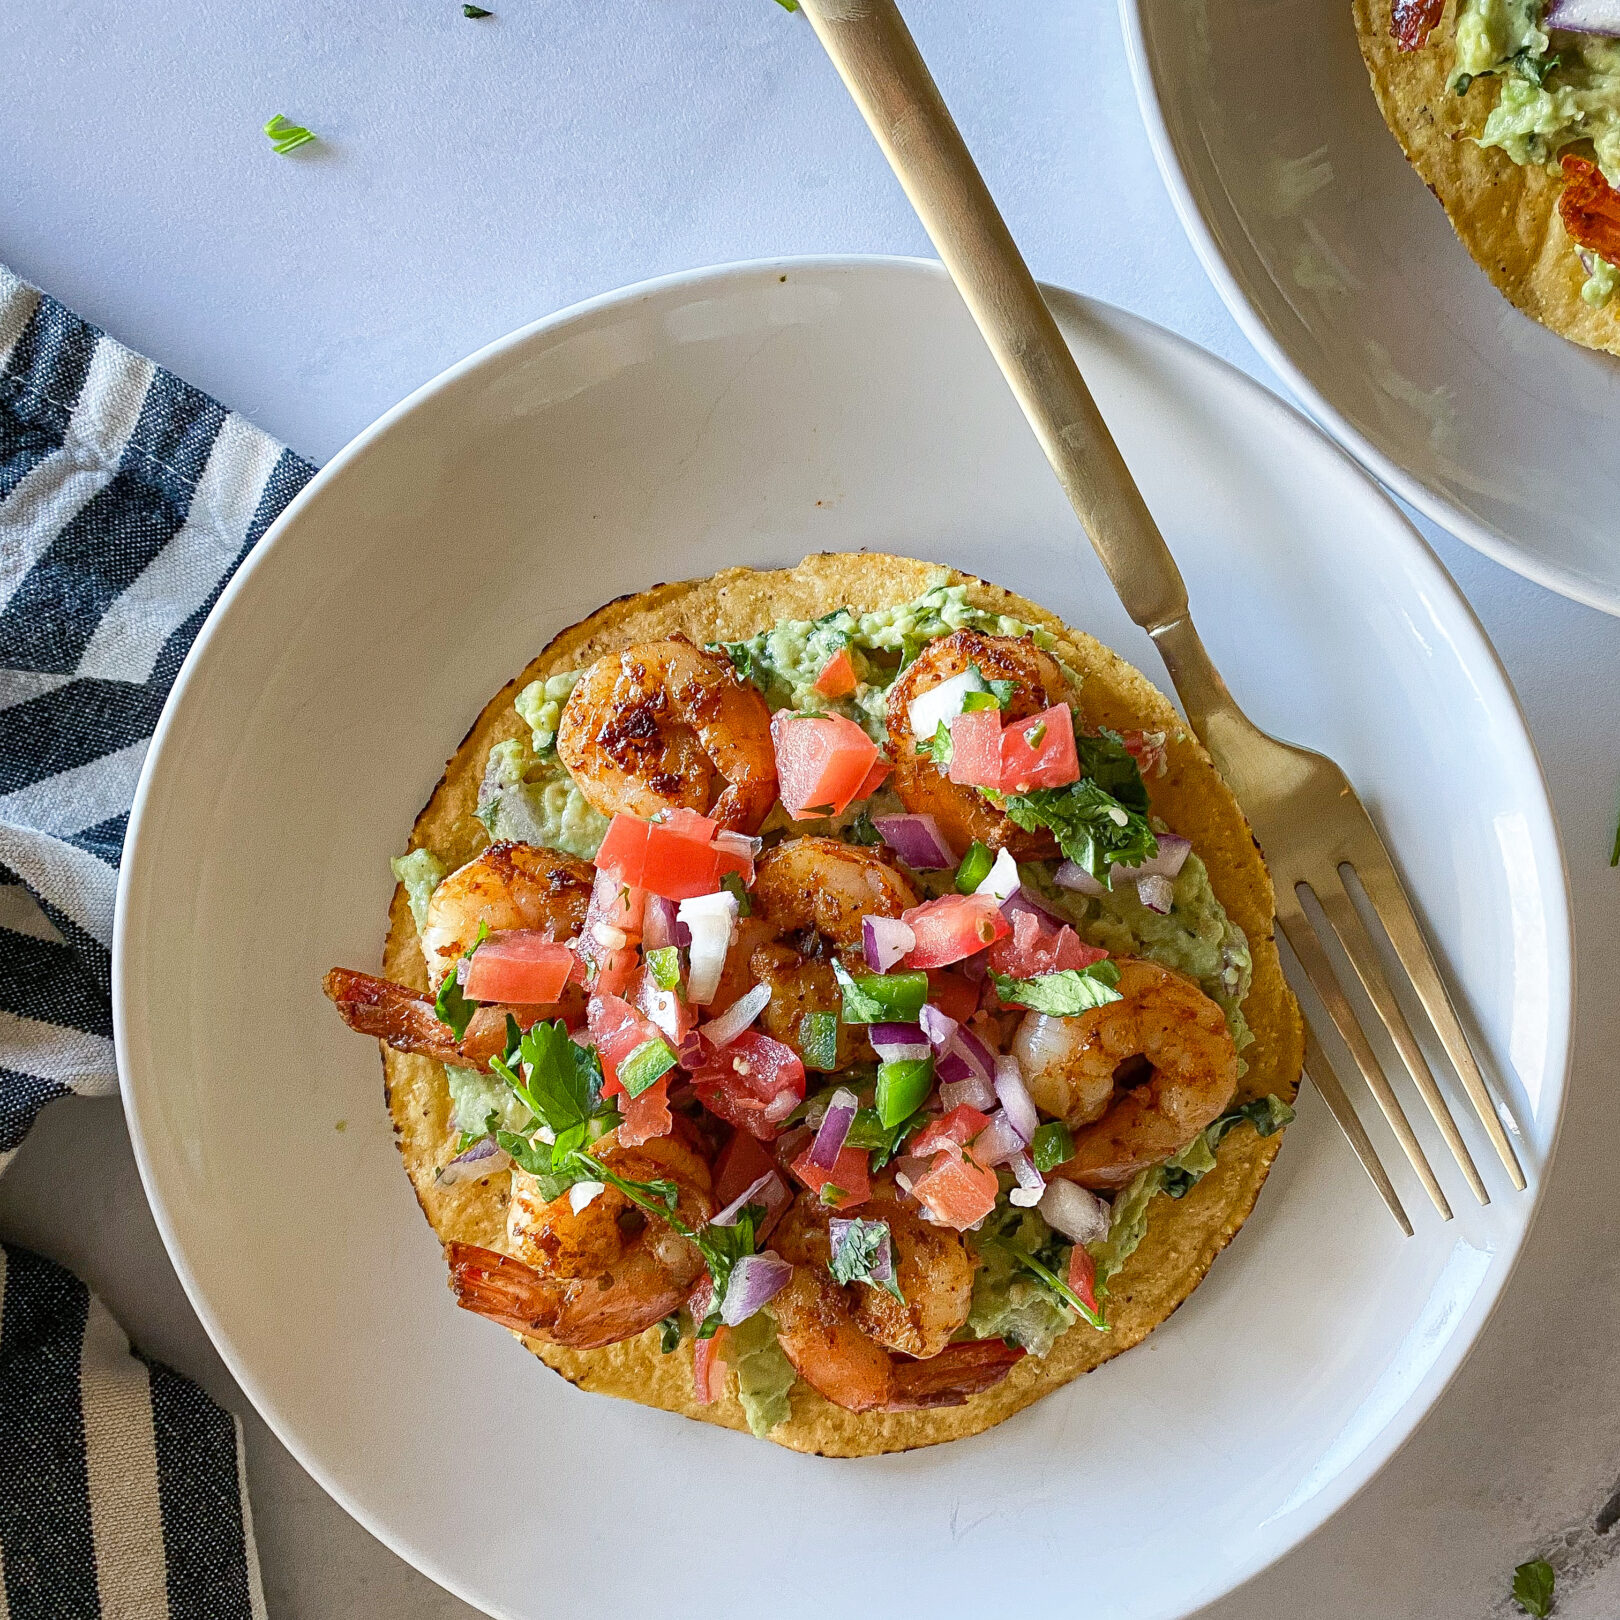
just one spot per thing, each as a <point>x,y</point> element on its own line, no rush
<point>1533,1587</point>
<point>286,136</point>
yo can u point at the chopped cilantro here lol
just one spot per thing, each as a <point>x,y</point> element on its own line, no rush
<point>857,1247</point>
<point>450,1004</point>
<point>1533,1587</point>
<point>733,884</point>
<point>669,1332</point>
<point>475,11</point>
<point>1093,827</point>
<point>861,831</point>
<point>1062,994</point>
<point>882,1141</point>
<point>938,747</point>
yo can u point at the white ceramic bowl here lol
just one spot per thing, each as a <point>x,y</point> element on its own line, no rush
<point>753,414</point>
<point>1345,273</point>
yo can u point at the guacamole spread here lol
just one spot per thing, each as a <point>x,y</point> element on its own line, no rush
<point>1553,89</point>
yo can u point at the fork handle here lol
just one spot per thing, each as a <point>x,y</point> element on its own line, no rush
<point>880,64</point>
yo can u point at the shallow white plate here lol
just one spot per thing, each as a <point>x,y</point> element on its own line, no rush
<point>1345,273</point>
<point>752,414</point>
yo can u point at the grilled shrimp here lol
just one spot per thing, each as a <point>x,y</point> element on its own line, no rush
<point>810,895</point>
<point>851,1344</point>
<point>1137,1079</point>
<point>596,1275</point>
<point>508,886</point>
<point>963,813</point>
<point>666,725</point>
<point>402,1017</point>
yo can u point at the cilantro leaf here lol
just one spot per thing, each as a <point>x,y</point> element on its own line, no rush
<point>563,1088</point>
<point>451,1004</point>
<point>669,1332</point>
<point>1062,994</point>
<point>722,1247</point>
<point>938,747</point>
<point>1113,767</point>
<point>1093,828</point>
<point>286,136</point>
<point>1533,1587</point>
<point>868,1131</point>
<point>861,831</point>
<point>858,1249</point>
<point>733,884</point>
<point>1051,1145</point>
<point>1533,67</point>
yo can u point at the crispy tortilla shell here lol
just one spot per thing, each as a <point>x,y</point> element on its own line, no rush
<point>1183,1237</point>
<point>1506,213</point>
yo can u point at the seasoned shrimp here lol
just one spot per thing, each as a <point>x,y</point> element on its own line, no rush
<point>597,1275</point>
<point>666,725</point>
<point>402,1017</point>
<point>963,813</point>
<point>810,895</point>
<point>850,1344</point>
<point>508,886</point>
<point>1137,1079</point>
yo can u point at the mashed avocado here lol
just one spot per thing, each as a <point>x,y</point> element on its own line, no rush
<point>764,1374</point>
<point>541,705</point>
<point>1554,89</point>
<point>1009,1302</point>
<point>421,872</point>
<point>534,801</point>
<point>784,662</point>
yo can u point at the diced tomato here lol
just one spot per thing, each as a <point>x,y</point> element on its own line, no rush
<point>741,1163</point>
<point>875,778</point>
<point>976,748</point>
<point>822,762</point>
<point>1039,752</point>
<point>848,1183</point>
<point>676,858</point>
<point>646,1116</point>
<point>1082,1277</point>
<point>519,964</point>
<point>959,1126</point>
<point>837,677</point>
<point>953,927</point>
<point>754,1082</point>
<point>618,1030</point>
<point>952,994</point>
<point>709,1367</point>
<point>956,1191</point>
<point>1147,748</point>
<point>1036,947</point>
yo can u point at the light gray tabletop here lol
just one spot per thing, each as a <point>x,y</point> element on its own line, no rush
<point>475,175</point>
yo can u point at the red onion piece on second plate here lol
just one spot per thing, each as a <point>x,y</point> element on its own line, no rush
<point>1014,1095</point>
<point>1585,16</point>
<point>1031,1183</point>
<point>998,1142</point>
<point>755,1280</point>
<point>972,1090</point>
<point>898,1043</point>
<point>885,940</point>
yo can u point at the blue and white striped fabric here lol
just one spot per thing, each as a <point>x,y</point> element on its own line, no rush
<point>127,498</point>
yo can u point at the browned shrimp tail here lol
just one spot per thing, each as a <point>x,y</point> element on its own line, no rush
<point>404,1018</point>
<point>948,1379</point>
<point>501,1288</point>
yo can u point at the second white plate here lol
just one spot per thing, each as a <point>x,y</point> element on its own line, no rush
<point>751,414</point>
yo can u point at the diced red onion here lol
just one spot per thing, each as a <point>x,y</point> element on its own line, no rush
<point>1014,1095</point>
<point>713,921</point>
<point>885,940</point>
<point>1031,1183</point>
<point>961,1054</point>
<point>770,1191</point>
<point>999,1142</point>
<point>898,1043</point>
<point>881,1266</point>
<point>974,1091</point>
<point>755,1280</point>
<point>1585,16</point>
<point>1080,1216</point>
<point>974,968</point>
<point>917,840</point>
<point>1024,898</point>
<point>659,923</point>
<point>979,1056</point>
<point>1172,856</point>
<point>1002,878</point>
<point>484,1158</point>
<point>1156,893</point>
<point>740,1015</point>
<point>834,1128</point>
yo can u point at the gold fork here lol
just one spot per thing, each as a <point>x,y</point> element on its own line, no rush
<point>1304,812</point>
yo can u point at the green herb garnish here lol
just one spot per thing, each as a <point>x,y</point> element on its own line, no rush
<point>861,831</point>
<point>475,11</point>
<point>733,884</point>
<point>286,136</point>
<point>938,747</point>
<point>1050,1278</point>
<point>450,1004</point>
<point>855,1245</point>
<point>1093,827</point>
<point>1533,1587</point>
<point>669,1332</point>
<point>1062,994</point>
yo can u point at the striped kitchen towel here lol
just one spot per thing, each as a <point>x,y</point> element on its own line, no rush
<point>127,498</point>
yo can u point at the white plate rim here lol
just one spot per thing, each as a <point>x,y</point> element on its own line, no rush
<point>1353,1477</point>
<point>1485,538</point>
